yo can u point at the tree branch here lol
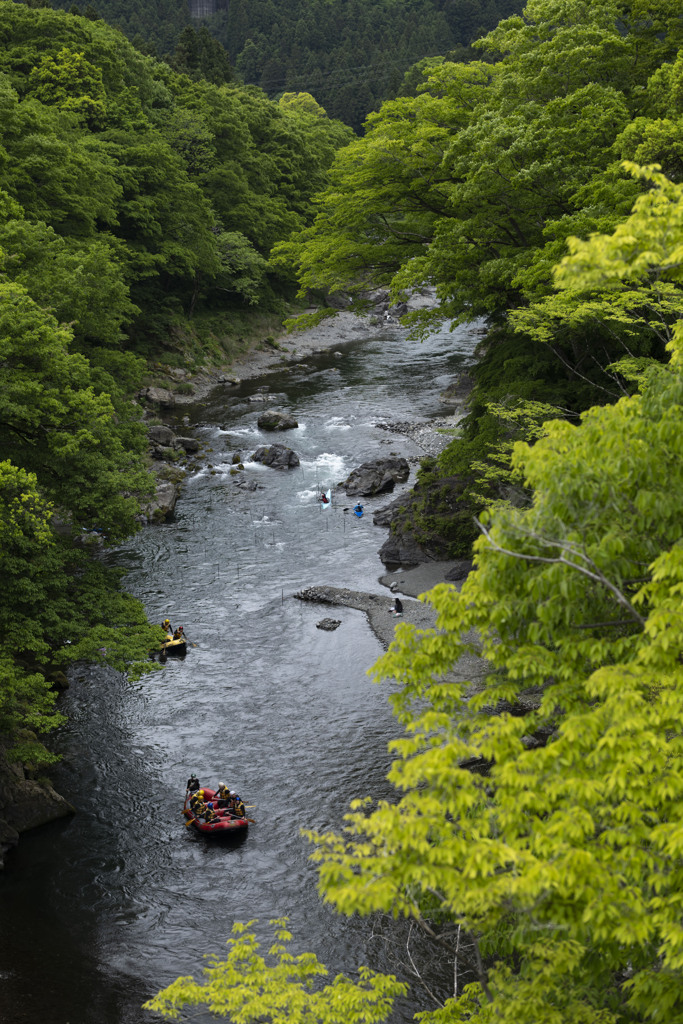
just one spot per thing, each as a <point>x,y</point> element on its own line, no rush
<point>595,574</point>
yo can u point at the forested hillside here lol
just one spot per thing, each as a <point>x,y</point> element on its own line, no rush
<point>534,838</point>
<point>137,210</point>
<point>350,54</point>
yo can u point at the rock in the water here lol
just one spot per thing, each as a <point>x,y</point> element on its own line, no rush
<point>164,501</point>
<point>328,624</point>
<point>161,435</point>
<point>276,455</point>
<point>409,542</point>
<point>459,389</point>
<point>190,444</point>
<point>377,476</point>
<point>276,419</point>
<point>384,516</point>
<point>25,804</point>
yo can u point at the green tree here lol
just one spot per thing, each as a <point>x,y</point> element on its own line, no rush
<point>515,157</point>
<point>301,101</point>
<point>72,82</point>
<point>55,424</point>
<point>387,191</point>
<point>245,985</point>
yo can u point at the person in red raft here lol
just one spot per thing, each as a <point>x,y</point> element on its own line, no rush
<point>224,801</point>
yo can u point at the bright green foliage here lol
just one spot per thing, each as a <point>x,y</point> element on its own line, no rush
<point>248,990</point>
<point>26,709</point>
<point>54,423</point>
<point>475,184</point>
<point>137,169</point>
<point>628,282</point>
<point>387,190</point>
<point>26,700</point>
<point>72,82</point>
<point>301,101</point>
<point>70,458</point>
<point>241,267</point>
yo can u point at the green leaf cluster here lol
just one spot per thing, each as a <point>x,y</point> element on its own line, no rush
<point>249,989</point>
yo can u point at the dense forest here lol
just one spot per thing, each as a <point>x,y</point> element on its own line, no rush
<point>349,54</point>
<point>138,208</point>
<point>534,840</point>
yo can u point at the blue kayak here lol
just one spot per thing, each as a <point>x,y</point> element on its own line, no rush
<point>358,510</point>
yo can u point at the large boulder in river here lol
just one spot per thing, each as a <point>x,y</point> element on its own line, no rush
<point>159,434</point>
<point>189,444</point>
<point>432,523</point>
<point>276,455</point>
<point>164,501</point>
<point>377,477</point>
<point>276,419</point>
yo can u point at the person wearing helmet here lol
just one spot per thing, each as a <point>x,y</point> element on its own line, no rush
<point>166,624</point>
<point>193,783</point>
<point>235,805</point>
<point>179,634</point>
<point>222,795</point>
<point>203,811</point>
<point>196,801</point>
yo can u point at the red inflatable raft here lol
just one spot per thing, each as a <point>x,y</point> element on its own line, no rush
<point>220,826</point>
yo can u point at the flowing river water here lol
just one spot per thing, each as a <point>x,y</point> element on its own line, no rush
<point>100,911</point>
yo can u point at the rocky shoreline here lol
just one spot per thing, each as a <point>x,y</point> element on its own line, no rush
<point>289,350</point>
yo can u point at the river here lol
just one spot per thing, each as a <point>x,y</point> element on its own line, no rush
<point>100,911</point>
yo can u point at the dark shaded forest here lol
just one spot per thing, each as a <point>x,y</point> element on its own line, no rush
<point>349,54</point>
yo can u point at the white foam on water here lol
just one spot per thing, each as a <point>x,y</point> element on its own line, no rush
<point>244,432</point>
<point>329,465</point>
<point>307,495</point>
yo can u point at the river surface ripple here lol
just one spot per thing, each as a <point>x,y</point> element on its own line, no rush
<point>99,912</point>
